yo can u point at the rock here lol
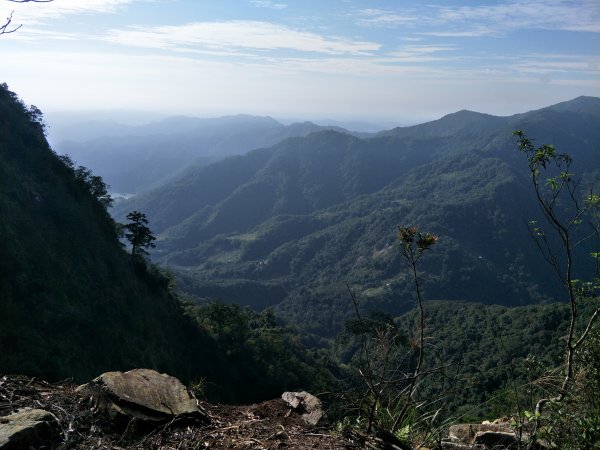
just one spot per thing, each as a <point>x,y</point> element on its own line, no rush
<point>306,404</point>
<point>454,446</point>
<point>465,432</point>
<point>141,394</point>
<point>495,439</point>
<point>28,428</point>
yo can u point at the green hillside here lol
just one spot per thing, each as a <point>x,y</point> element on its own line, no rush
<point>71,303</point>
<point>74,303</point>
<point>299,220</point>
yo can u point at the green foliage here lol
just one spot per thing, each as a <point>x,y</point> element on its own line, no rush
<point>574,422</point>
<point>415,242</point>
<point>138,234</point>
<point>566,210</point>
<point>71,304</point>
<point>94,183</point>
<point>262,359</point>
<point>309,215</point>
<point>484,351</point>
<point>383,390</point>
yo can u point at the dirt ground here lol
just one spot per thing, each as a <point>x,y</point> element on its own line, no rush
<point>268,425</point>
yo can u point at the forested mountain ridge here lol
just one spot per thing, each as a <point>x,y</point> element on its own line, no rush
<point>133,159</point>
<point>291,224</point>
<point>466,122</point>
<point>69,297</point>
<point>74,303</point>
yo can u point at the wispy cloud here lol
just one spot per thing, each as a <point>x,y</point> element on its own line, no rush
<point>235,35</point>
<point>374,17</point>
<point>557,65</point>
<point>482,20</point>
<point>418,50</point>
<point>28,13</point>
<point>567,15</point>
<point>268,4</point>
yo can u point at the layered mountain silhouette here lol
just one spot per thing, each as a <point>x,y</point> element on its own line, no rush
<point>132,159</point>
<point>291,225</point>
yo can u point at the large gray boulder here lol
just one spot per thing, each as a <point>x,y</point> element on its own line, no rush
<point>141,394</point>
<point>306,404</point>
<point>28,428</point>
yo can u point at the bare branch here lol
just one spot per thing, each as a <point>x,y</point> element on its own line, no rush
<point>4,29</point>
<point>587,328</point>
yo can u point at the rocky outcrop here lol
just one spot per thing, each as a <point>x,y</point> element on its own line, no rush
<point>306,404</point>
<point>481,436</point>
<point>142,394</point>
<point>28,428</point>
<point>270,425</point>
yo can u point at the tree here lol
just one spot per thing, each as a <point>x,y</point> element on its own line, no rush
<point>388,370</point>
<point>93,183</point>
<point>572,219</point>
<point>5,28</point>
<point>138,234</point>
<point>413,244</point>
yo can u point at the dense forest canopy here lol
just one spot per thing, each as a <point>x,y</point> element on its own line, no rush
<point>288,226</point>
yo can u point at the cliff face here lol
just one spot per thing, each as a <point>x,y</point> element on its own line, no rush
<point>72,303</point>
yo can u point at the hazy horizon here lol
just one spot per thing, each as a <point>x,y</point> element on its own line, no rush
<point>350,60</point>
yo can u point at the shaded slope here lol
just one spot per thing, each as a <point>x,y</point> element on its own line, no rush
<point>74,304</point>
<point>314,213</point>
<point>71,303</point>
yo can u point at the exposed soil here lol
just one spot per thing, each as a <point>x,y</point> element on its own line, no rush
<point>268,425</point>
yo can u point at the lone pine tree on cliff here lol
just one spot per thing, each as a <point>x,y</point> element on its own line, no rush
<point>138,234</point>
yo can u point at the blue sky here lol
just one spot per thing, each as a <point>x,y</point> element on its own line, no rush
<point>398,61</point>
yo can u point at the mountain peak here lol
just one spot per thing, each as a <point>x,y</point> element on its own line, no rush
<point>584,104</point>
<point>460,122</point>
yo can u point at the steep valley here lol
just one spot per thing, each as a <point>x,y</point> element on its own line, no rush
<point>291,225</point>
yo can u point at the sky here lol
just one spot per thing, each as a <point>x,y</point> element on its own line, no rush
<point>373,60</point>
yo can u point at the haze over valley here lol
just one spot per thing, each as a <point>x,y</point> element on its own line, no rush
<point>289,225</point>
<point>393,207</point>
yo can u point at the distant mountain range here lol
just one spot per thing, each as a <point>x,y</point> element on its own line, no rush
<point>135,158</point>
<point>288,226</point>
